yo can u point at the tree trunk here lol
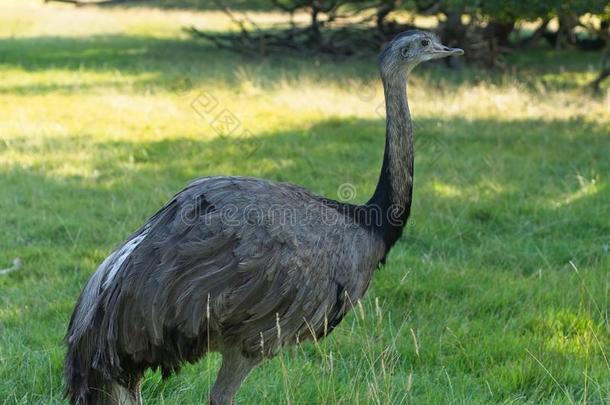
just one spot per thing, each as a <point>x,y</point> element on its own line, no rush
<point>453,31</point>
<point>315,24</point>
<point>382,12</point>
<point>453,34</point>
<point>500,31</point>
<point>565,32</point>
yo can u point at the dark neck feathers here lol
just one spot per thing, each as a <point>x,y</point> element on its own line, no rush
<point>392,197</point>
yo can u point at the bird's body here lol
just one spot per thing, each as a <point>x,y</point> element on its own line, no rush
<point>227,262</point>
<point>238,265</point>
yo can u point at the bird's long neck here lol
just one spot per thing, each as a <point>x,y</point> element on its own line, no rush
<point>391,201</point>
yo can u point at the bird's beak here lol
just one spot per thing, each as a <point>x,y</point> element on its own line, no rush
<point>441,51</point>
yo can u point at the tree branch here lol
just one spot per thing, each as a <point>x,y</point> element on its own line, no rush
<point>525,42</point>
<point>604,72</point>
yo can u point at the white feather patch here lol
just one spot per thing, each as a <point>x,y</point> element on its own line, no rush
<point>119,257</point>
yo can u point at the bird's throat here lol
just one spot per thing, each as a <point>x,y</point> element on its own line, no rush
<point>392,197</point>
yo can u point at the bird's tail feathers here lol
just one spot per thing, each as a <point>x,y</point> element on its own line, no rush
<point>91,367</point>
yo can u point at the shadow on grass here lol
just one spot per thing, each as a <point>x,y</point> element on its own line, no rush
<point>171,62</point>
<point>178,64</point>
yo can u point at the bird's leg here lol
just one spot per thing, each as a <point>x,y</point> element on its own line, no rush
<point>137,391</point>
<point>122,395</point>
<point>234,370</point>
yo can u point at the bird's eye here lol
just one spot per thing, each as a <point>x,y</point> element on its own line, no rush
<point>404,51</point>
<point>425,42</point>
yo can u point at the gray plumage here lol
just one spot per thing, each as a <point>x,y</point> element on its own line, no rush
<point>238,265</point>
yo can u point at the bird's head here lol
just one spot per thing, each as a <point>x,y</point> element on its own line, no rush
<point>409,49</point>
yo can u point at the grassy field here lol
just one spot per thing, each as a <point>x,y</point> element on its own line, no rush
<point>498,293</point>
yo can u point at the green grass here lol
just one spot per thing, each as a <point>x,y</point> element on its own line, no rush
<point>498,293</point>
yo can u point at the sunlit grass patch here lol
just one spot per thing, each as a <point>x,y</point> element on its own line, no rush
<point>567,332</point>
<point>586,187</point>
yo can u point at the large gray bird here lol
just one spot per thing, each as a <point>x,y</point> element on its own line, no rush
<point>241,266</point>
